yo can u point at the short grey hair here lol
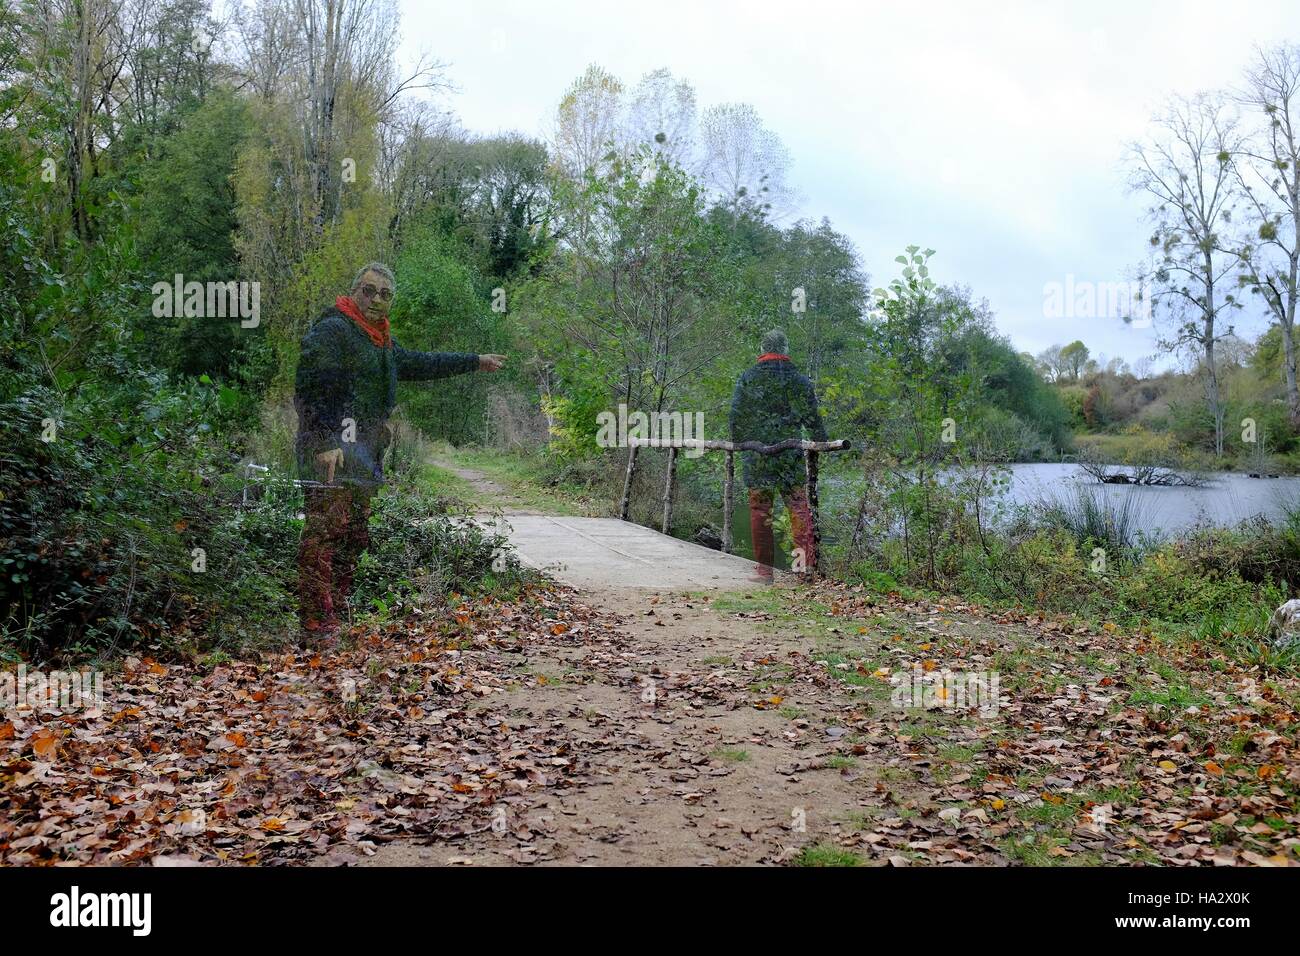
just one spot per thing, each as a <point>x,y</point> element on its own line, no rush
<point>379,267</point>
<point>775,342</point>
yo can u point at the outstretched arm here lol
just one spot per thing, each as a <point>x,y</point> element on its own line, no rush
<point>413,365</point>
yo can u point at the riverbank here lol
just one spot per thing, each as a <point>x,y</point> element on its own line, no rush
<point>1123,447</point>
<point>1083,557</point>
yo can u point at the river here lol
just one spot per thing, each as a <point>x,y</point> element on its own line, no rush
<point>1226,499</point>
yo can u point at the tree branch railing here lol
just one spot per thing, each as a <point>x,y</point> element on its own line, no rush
<point>255,475</point>
<point>810,449</point>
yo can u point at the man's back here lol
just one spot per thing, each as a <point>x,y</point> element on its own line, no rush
<point>773,401</point>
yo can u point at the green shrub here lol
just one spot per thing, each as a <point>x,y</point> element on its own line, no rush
<point>419,554</point>
<point>124,531</point>
<point>1046,568</point>
<point>1095,520</point>
<point>1167,586</point>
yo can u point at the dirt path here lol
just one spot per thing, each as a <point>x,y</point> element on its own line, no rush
<point>626,725</point>
<point>765,726</point>
<point>712,739</point>
<point>701,775</point>
<point>509,503</point>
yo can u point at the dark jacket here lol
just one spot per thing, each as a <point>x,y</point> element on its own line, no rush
<point>342,375</point>
<point>773,402</point>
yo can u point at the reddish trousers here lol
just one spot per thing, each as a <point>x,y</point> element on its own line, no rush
<point>760,526</point>
<point>332,541</point>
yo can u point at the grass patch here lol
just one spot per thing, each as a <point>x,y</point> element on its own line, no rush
<point>1036,850</point>
<point>821,854</point>
<point>955,753</point>
<point>441,483</point>
<point>853,673</point>
<point>1174,696</point>
<point>731,755</point>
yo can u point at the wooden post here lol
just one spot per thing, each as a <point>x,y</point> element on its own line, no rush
<point>810,449</point>
<point>810,458</point>
<point>727,503</point>
<point>625,504</point>
<point>668,489</point>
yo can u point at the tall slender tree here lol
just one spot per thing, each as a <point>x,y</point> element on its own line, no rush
<point>587,122</point>
<point>661,115</point>
<point>1268,170</point>
<point>1186,168</point>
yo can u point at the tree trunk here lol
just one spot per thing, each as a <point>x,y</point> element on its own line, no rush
<point>1288,331</point>
<point>1212,374</point>
<point>625,504</point>
<point>810,464</point>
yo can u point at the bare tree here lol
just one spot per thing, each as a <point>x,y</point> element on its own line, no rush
<point>1268,170</point>
<point>662,116</point>
<point>269,48</point>
<point>1186,167</point>
<point>344,41</point>
<point>422,154</point>
<point>1050,364</point>
<point>78,51</point>
<point>332,63</point>
<point>743,161</point>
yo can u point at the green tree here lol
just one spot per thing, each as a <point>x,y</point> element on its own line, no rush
<point>187,217</point>
<point>1074,357</point>
<point>443,304</point>
<point>647,287</point>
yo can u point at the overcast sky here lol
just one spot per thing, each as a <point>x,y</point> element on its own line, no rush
<point>991,132</point>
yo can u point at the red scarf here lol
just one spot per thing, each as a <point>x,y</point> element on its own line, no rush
<point>769,356</point>
<point>378,333</point>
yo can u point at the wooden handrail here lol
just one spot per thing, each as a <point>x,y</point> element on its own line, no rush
<point>790,444</point>
<point>810,449</point>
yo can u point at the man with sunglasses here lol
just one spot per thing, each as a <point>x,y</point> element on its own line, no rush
<point>346,387</point>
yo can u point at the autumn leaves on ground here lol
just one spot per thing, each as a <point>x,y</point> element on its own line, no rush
<point>633,727</point>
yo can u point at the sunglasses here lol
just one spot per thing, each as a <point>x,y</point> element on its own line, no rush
<point>383,295</point>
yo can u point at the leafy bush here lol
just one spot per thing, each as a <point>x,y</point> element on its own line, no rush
<point>418,554</point>
<point>443,304</point>
<point>1167,586</point>
<point>102,528</point>
<point>1045,568</point>
<point>1004,436</point>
